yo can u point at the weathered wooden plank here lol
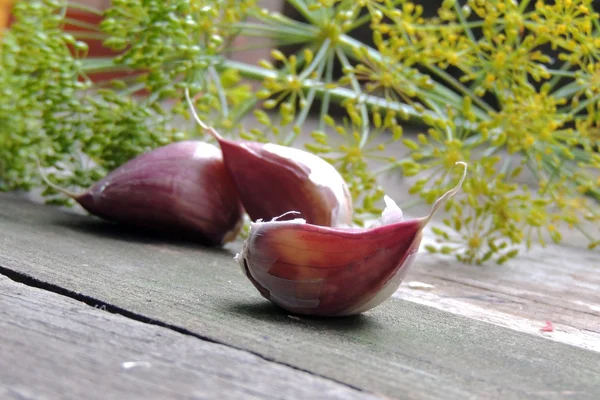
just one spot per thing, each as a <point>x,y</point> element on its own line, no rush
<point>559,276</point>
<point>508,311</point>
<point>56,347</point>
<point>557,283</point>
<point>401,349</point>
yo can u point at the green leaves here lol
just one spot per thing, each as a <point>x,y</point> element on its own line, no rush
<point>39,80</point>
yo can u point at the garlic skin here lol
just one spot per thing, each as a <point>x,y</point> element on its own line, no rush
<point>316,270</point>
<point>182,189</point>
<point>272,179</point>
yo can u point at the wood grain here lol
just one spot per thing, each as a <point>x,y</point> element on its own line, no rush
<point>560,284</point>
<point>55,347</point>
<point>401,349</point>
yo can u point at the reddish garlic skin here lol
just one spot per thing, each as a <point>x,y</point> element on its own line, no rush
<point>317,270</point>
<point>307,269</point>
<point>270,185</point>
<point>273,180</point>
<point>182,189</point>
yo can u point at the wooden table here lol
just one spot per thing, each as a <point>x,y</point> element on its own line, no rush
<point>89,310</point>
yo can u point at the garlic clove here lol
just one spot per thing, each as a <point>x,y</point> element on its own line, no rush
<point>182,189</point>
<point>316,270</point>
<point>272,180</point>
<point>309,269</point>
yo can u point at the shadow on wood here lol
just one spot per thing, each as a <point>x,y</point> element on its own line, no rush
<point>112,230</point>
<point>267,311</point>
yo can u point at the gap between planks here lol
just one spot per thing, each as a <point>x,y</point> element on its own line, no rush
<point>104,306</point>
<point>55,346</point>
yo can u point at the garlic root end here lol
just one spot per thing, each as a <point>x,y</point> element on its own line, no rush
<point>240,257</point>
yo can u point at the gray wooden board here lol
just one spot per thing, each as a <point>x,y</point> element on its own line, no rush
<point>560,281</point>
<point>55,347</point>
<point>400,349</point>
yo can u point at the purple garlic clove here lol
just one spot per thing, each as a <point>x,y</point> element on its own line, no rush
<point>316,270</point>
<point>182,188</point>
<point>272,180</point>
<point>287,179</point>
